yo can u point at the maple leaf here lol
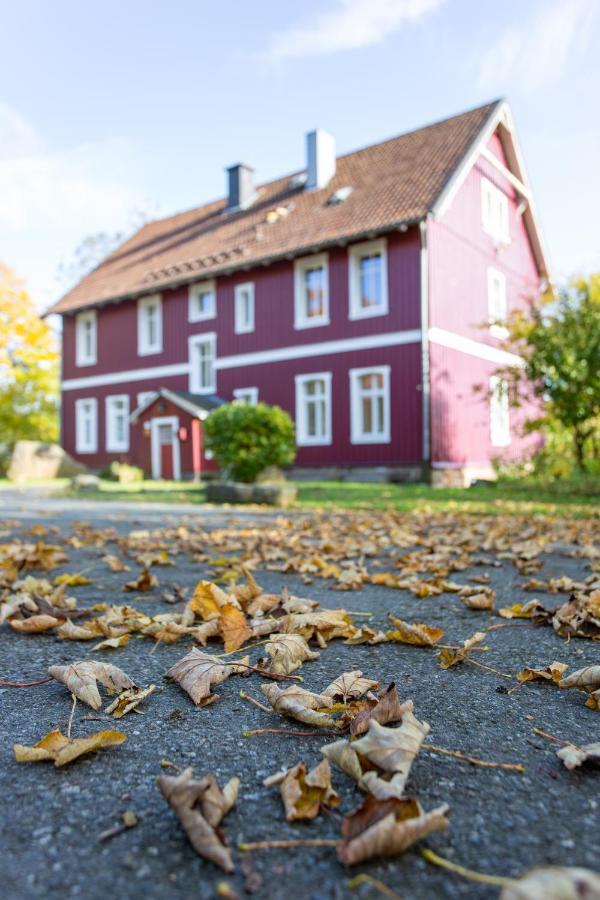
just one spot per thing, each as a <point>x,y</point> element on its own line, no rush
<point>85,632</point>
<point>200,805</point>
<point>448,658</point>
<point>113,643</point>
<point>573,756</point>
<point>287,652</point>
<point>480,600</point>
<point>234,627</point>
<point>325,625</point>
<point>62,750</point>
<point>522,611</point>
<point>128,700</point>
<point>415,633</point>
<point>366,635</point>
<point>383,708</point>
<point>197,672</point>
<point>575,619</point>
<point>35,624</point>
<point>387,828</point>
<point>300,704</point>
<point>554,883</point>
<point>81,679</point>
<point>553,672</point>
<point>305,793</point>
<point>349,686</point>
<point>586,679</point>
<point>144,582</point>
<point>207,600</point>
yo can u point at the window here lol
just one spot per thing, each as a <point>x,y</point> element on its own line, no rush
<point>313,409</point>
<point>499,412</point>
<point>370,405</point>
<point>86,425</point>
<point>145,397</point>
<point>497,307</point>
<point>246,395</point>
<point>311,292</point>
<point>202,302</point>
<point>149,325</point>
<point>244,308</point>
<point>494,210</point>
<point>202,351</point>
<point>86,338</point>
<point>117,423</point>
<point>368,280</point>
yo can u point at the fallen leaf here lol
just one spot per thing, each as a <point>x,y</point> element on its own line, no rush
<point>287,652</point>
<point>81,679</point>
<point>197,672</point>
<point>72,579</point>
<point>387,828</point>
<point>573,756</point>
<point>207,600</point>
<point>554,883</point>
<point>448,658</point>
<point>349,686</point>
<point>384,708</point>
<point>113,643</point>
<point>479,601</point>
<point>415,633</point>
<point>115,564</point>
<point>85,632</point>
<point>128,700</point>
<point>305,793</point>
<point>200,804</point>
<point>301,705</point>
<point>234,627</point>
<point>62,750</point>
<point>144,582</point>
<point>586,679</point>
<point>521,610</point>
<point>553,672</point>
<point>34,624</point>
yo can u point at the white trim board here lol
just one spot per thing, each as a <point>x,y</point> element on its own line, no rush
<point>473,348</point>
<point>74,384</point>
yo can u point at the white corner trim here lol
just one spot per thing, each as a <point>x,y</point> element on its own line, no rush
<point>425,362</point>
<point>150,373</point>
<point>474,348</point>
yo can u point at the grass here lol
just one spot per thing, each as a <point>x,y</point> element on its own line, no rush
<point>568,498</point>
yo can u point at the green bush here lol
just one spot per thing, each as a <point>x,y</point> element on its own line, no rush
<point>123,473</point>
<point>246,438</point>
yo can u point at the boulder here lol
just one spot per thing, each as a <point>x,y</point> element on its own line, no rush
<point>36,461</point>
<point>86,482</point>
<point>228,492</point>
<point>276,493</point>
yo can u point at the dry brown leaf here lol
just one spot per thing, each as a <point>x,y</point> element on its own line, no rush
<point>81,679</point>
<point>207,600</point>
<point>287,652</point>
<point>448,658</point>
<point>415,633</point>
<point>573,756</point>
<point>113,643</point>
<point>387,828</point>
<point>554,883</point>
<point>349,686</point>
<point>366,635</point>
<point>305,793</point>
<point>144,582</point>
<point>154,558</point>
<point>72,579</point>
<point>115,564</point>
<point>480,600</point>
<point>128,700</point>
<point>384,708</point>
<point>553,672</point>
<point>586,679</point>
<point>234,627</point>
<point>324,625</point>
<point>62,750</point>
<point>85,632</point>
<point>521,610</point>
<point>197,672</point>
<point>300,704</point>
<point>200,804</point>
<point>34,624</point>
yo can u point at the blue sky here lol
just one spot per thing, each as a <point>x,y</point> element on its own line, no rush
<point>107,109</point>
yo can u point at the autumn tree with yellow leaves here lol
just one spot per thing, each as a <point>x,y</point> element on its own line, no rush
<point>28,367</point>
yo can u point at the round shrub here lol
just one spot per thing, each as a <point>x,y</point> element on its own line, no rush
<point>246,438</point>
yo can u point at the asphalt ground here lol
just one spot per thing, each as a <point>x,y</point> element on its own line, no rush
<point>501,822</point>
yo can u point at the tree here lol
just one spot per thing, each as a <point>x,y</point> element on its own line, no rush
<point>559,342</point>
<point>95,248</point>
<point>28,367</point>
<point>246,438</point>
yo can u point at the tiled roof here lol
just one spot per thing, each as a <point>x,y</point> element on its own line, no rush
<point>392,182</point>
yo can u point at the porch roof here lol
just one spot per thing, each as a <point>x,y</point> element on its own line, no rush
<point>197,405</point>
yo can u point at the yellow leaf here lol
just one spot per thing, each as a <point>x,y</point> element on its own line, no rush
<point>62,750</point>
<point>415,633</point>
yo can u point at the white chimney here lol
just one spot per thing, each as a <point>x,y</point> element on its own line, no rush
<point>320,159</point>
<point>240,186</point>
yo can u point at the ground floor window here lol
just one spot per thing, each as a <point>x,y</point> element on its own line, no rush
<point>499,412</point>
<point>246,395</point>
<point>86,425</point>
<point>117,423</point>
<point>370,405</point>
<point>313,409</point>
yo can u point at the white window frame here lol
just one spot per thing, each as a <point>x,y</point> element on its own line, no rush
<point>500,435</point>
<point>81,357</point>
<point>355,254</point>
<point>246,395</point>
<point>357,435</point>
<point>497,316</point>
<point>144,397</point>
<point>194,377</point>
<point>80,446</point>
<point>202,287</point>
<point>301,266</point>
<point>113,445</point>
<point>494,211</point>
<point>240,325</point>
<point>303,439</point>
<point>144,347</point>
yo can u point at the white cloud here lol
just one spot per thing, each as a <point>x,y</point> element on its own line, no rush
<point>351,24</point>
<point>51,200</point>
<point>534,53</point>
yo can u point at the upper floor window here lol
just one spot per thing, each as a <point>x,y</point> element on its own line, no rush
<point>117,423</point>
<point>370,405</point>
<point>499,412</point>
<point>86,330</point>
<point>368,280</point>
<point>244,308</point>
<point>246,395</point>
<point>494,211</point>
<point>145,397</point>
<point>202,352</point>
<point>150,325</point>
<point>86,425</point>
<point>497,306</point>
<point>202,301</point>
<point>313,409</point>
<point>311,291</point>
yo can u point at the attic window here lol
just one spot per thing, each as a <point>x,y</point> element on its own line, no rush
<point>340,195</point>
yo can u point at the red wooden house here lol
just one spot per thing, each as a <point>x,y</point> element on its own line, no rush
<point>365,295</point>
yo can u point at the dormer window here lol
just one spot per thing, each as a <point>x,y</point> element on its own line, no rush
<point>202,301</point>
<point>86,327</point>
<point>150,325</point>
<point>368,280</point>
<point>311,292</point>
<point>494,212</point>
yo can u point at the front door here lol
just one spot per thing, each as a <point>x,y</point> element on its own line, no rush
<point>165,448</point>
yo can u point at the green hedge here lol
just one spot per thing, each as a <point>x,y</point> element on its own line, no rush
<point>246,438</point>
